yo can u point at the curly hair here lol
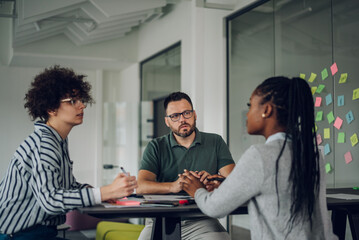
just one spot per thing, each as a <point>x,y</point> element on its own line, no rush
<point>50,87</point>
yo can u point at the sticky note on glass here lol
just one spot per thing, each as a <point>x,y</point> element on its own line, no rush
<point>355,93</point>
<point>326,149</point>
<point>302,76</point>
<point>340,100</point>
<point>320,88</point>
<point>324,74</point>
<point>319,116</point>
<point>354,139</point>
<point>328,99</point>
<point>349,116</point>
<point>312,77</point>
<point>326,133</point>
<point>348,157</point>
<point>316,127</point>
<point>319,139</point>
<point>318,101</point>
<point>330,117</point>
<point>341,137</point>
<point>328,168</point>
<point>334,68</point>
<point>338,123</point>
<point>314,89</point>
<point>343,78</point>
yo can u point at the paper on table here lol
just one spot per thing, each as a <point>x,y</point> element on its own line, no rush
<point>165,197</point>
<point>343,196</point>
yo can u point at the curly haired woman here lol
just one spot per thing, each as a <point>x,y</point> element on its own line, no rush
<point>39,187</point>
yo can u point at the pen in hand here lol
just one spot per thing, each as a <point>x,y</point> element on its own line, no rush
<point>123,170</point>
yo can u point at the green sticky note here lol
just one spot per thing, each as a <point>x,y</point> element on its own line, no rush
<point>341,137</point>
<point>312,77</point>
<point>330,117</point>
<point>328,168</point>
<point>343,78</point>
<point>314,89</point>
<point>302,76</point>
<point>324,74</point>
<point>319,116</point>
<point>320,88</point>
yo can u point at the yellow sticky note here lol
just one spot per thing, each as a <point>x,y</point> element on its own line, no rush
<point>302,76</point>
<point>326,133</point>
<point>355,93</point>
<point>343,78</point>
<point>354,139</point>
<point>312,77</point>
<point>314,89</point>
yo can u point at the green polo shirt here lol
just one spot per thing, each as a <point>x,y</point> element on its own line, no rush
<point>166,158</point>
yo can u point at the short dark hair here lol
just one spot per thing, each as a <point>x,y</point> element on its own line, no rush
<point>176,96</point>
<point>50,87</point>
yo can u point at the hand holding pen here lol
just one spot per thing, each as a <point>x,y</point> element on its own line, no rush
<point>122,186</point>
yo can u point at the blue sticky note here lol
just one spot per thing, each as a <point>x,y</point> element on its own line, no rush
<point>349,116</point>
<point>326,149</point>
<point>328,99</point>
<point>340,100</point>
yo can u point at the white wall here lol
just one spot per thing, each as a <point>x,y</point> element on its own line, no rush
<point>16,124</point>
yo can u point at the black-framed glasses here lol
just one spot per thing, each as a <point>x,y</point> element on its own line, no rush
<point>176,116</point>
<point>75,102</point>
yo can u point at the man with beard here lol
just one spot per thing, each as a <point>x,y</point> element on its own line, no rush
<point>184,149</point>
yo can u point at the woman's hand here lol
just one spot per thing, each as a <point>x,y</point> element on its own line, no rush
<point>122,186</point>
<point>191,182</point>
<point>212,184</point>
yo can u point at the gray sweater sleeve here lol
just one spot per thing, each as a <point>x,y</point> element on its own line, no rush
<point>244,182</point>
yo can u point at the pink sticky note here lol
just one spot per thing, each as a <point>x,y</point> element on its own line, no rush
<point>338,122</point>
<point>348,157</point>
<point>334,68</point>
<point>319,139</point>
<point>318,101</point>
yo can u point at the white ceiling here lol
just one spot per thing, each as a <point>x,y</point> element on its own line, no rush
<point>82,21</point>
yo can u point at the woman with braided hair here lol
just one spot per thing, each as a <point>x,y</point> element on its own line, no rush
<point>283,180</point>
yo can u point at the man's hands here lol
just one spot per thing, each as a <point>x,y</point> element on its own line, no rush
<point>121,186</point>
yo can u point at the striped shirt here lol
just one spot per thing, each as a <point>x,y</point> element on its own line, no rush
<point>39,187</point>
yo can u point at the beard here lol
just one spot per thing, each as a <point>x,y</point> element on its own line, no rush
<point>185,133</point>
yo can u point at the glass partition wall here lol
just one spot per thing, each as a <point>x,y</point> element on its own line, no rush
<point>160,75</point>
<point>308,39</point>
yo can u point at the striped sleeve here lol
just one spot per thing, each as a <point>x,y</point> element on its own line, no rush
<point>49,181</point>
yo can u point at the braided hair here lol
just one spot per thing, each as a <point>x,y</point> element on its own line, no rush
<point>293,101</point>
